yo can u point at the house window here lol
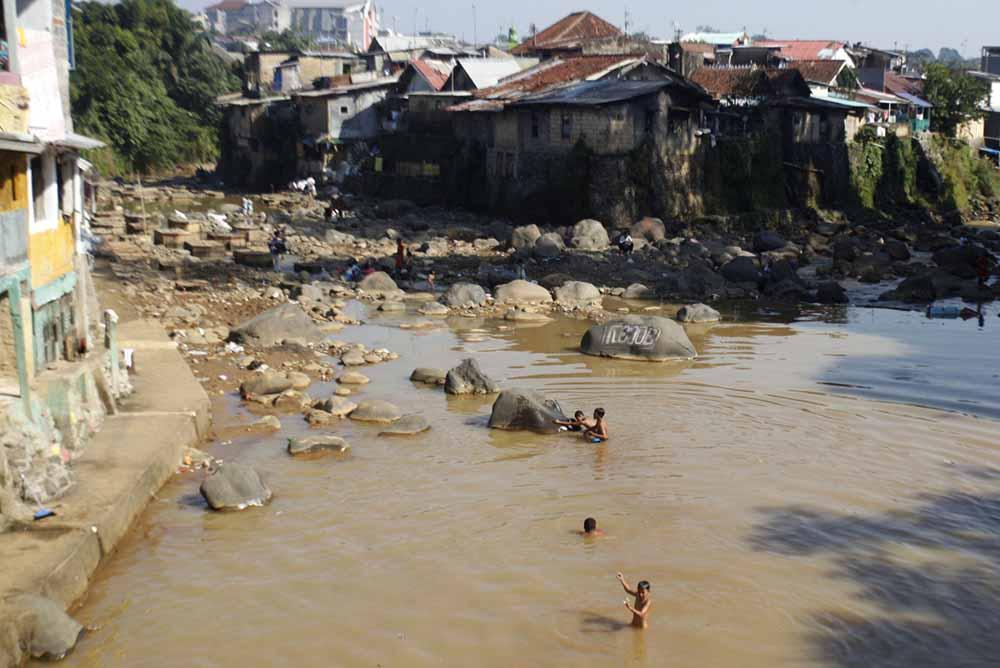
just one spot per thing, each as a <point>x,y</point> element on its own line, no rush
<point>37,188</point>
<point>677,120</point>
<point>347,68</point>
<point>343,111</point>
<point>534,126</point>
<point>566,127</point>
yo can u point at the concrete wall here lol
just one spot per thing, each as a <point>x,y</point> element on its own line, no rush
<point>354,116</point>
<point>13,211</point>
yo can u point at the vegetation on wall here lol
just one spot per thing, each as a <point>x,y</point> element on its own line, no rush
<point>145,82</point>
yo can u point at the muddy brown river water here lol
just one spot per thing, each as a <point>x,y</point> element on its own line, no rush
<point>818,488</point>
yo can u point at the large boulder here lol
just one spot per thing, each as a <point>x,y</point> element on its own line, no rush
<point>522,292</point>
<point>524,410</point>
<point>698,313</point>
<point>578,294</point>
<point>524,237</point>
<point>428,376</point>
<point>408,425</point>
<point>961,261</point>
<point>897,250</point>
<point>741,270</point>
<point>636,337</point>
<point>315,445</point>
<point>766,240</point>
<point>590,235</point>
<point>831,292</point>
<point>650,229</point>
<point>378,283</point>
<point>234,486</point>
<point>549,245</point>
<point>48,631</point>
<point>273,326</point>
<point>268,382</point>
<point>376,410</point>
<point>464,294</point>
<point>638,291</point>
<point>336,406</point>
<point>468,378</point>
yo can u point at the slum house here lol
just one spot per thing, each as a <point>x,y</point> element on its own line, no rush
<point>754,100</point>
<point>258,142</point>
<point>258,71</point>
<point>566,37</point>
<point>333,121</point>
<point>520,147</point>
<point>685,57</point>
<point>304,70</point>
<point>391,53</point>
<point>47,314</point>
<point>476,73</point>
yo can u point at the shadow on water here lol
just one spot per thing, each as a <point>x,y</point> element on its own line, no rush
<point>592,622</point>
<point>942,610</point>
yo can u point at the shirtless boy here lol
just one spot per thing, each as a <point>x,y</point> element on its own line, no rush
<point>590,528</point>
<point>643,602</point>
<point>597,432</point>
<point>578,423</point>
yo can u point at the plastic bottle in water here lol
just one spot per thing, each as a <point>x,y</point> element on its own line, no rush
<point>943,311</point>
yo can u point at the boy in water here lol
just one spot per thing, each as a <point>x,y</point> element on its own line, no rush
<point>578,423</point>
<point>590,528</point>
<point>597,432</point>
<point>643,602</point>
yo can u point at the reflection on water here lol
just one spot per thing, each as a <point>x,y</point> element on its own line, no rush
<point>782,515</point>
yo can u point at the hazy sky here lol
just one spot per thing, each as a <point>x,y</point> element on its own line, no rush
<point>962,24</point>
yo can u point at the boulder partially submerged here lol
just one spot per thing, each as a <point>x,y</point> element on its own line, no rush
<point>524,410</point>
<point>522,292</point>
<point>635,337</point>
<point>468,378</point>
<point>698,313</point>
<point>408,425</point>
<point>275,325</point>
<point>315,445</point>
<point>49,632</point>
<point>428,376</point>
<point>376,410</point>
<point>234,486</point>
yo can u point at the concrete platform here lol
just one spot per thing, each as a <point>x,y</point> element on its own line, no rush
<point>123,466</point>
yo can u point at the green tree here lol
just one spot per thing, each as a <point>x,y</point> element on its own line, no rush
<point>957,97</point>
<point>286,40</point>
<point>146,82</point>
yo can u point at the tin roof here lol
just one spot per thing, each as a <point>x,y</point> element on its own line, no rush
<point>486,72</point>
<point>569,31</point>
<point>728,82</point>
<point>348,89</point>
<point>819,71</point>
<point>434,72</point>
<point>596,93</point>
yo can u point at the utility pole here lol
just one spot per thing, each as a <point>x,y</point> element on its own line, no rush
<point>626,22</point>
<point>475,30</point>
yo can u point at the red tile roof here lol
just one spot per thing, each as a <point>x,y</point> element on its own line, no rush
<point>820,71</point>
<point>573,29</point>
<point>897,83</point>
<point>435,72</point>
<point>803,49</point>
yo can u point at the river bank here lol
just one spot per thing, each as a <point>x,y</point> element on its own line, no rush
<point>764,490</point>
<point>124,465</point>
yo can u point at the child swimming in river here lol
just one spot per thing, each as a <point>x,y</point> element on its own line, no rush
<point>643,601</point>
<point>578,423</point>
<point>590,528</point>
<point>597,432</point>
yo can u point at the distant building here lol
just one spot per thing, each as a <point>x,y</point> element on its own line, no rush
<point>567,37</point>
<point>991,60</point>
<point>391,52</point>
<point>350,23</point>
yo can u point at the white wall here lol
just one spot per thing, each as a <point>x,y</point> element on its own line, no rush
<point>49,218</point>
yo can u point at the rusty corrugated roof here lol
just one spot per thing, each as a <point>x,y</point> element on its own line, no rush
<point>573,29</point>
<point>435,72</point>
<point>820,71</point>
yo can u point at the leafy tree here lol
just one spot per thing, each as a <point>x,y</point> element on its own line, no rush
<point>848,79</point>
<point>146,82</point>
<point>956,96</point>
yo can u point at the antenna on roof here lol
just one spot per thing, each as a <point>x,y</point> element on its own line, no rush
<point>475,28</point>
<point>626,21</point>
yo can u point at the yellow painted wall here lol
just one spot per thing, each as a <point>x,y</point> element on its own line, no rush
<point>13,108</point>
<point>51,254</point>
<point>13,181</point>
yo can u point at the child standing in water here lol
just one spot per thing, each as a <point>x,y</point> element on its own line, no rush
<point>598,432</point>
<point>643,602</point>
<point>578,423</point>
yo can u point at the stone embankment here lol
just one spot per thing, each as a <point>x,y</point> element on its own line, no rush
<point>48,564</point>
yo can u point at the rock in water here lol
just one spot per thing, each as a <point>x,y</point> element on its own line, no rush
<point>831,293</point>
<point>234,486</point>
<point>312,445</point>
<point>407,425</point>
<point>741,270</point>
<point>376,410</point>
<point>578,294</point>
<point>635,337</point>
<point>429,376</point>
<point>698,313</point>
<point>522,292</point>
<point>524,410</point>
<point>468,378</point>
<point>336,406</point>
<point>464,294</point>
<point>273,326</point>
<point>378,282</point>
<point>590,235</point>
<point>50,632</point>
<point>353,378</point>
